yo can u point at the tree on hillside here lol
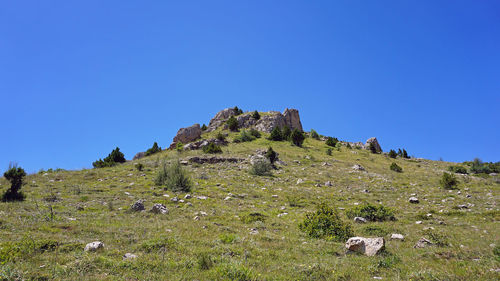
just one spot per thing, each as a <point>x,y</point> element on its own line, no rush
<point>15,175</point>
<point>297,137</point>
<point>112,159</point>
<point>276,134</point>
<point>232,123</point>
<point>154,149</point>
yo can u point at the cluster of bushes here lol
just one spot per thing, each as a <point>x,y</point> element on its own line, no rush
<point>331,141</point>
<point>285,134</point>
<point>173,177</point>
<point>245,136</point>
<point>326,223</point>
<point>401,153</point>
<point>458,169</point>
<point>237,111</point>
<point>256,115</point>
<point>314,134</point>
<point>204,127</point>
<point>372,212</point>
<point>396,168</point>
<point>112,159</point>
<point>212,148</point>
<point>261,167</point>
<point>16,177</point>
<point>232,124</point>
<point>479,167</point>
<point>154,149</point>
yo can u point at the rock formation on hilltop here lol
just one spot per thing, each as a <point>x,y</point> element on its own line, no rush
<point>267,122</point>
<point>186,135</point>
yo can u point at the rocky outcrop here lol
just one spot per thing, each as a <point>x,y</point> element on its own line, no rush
<point>186,135</point>
<point>267,122</point>
<point>375,143</point>
<point>139,155</point>
<point>159,209</point>
<point>366,246</point>
<point>138,206</point>
<point>202,143</point>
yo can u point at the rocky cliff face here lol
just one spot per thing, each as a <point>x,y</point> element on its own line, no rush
<point>267,122</point>
<point>186,135</point>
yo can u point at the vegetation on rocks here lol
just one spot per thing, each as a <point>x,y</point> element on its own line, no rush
<point>232,124</point>
<point>154,149</point>
<point>212,148</point>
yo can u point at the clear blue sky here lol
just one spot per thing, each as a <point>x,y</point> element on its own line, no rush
<point>78,78</point>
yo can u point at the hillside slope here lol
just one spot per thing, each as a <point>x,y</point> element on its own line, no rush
<point>211,236</point>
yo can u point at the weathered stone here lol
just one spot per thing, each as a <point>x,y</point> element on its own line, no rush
<point>292,119</point>
<point>129,256</point>
<point>186,135</point>
<point>422,243</point>
<point>159,209</point>
<point>365,246</point>
<point>220,118</point>
<point>328,183</point>
<point>397,236</point>
<point>375,143</point>
<point>413,200</point>
<point>358,167</point>
<point>94,246</point>
<point>213,160</point>
<point>138,206</point>
<point>139,155</point>
<point>359,220</point>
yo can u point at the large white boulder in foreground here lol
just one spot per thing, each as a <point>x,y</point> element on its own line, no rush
<point>365,246</point>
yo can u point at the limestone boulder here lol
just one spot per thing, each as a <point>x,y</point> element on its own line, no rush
<point>366,246</point>
<point>186,135</point>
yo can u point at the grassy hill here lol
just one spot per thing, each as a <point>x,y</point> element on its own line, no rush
<point>247,227</point>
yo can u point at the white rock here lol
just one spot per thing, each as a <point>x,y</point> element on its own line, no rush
<point>366,246</point>
<point>397,236</point>
<point>129,256</point>
<point>359,220</point>
<point>94,246</point>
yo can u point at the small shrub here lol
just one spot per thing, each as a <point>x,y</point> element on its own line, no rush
<point>331,141</point>
<point>297,137</point>
<point>204,127</point>
<point>371,212</point>
<point>314,134</point>
<point>392,153</point>
<point>205,261</point>
<point>154,149</point>
<point>261,167</point>
<point>244,136</point>
<point>329,152</point>
<point>112,159</point>
<point>458,169</point>
<point>253,217</point>
<point>326,223</point>
<point>479,167</point>
<point>440,239</point>
<point>179,146</point>
<point>227,238</point>
<point>212,148</point>
<point>372,148</point>
<point>276,134</point>
<point>234,271</point>
<point>173,177</point>
<point>286,133</point>
<point>256,115</point>
<point>16,177</point>
<point>271,155</point>
<point>232,124</point>
<point>220,136</point>
<point>403,153</point>
<point>255,133</point>
<point>139,166</point>
<point>396,168</point>
<point>496,252</point>
<point>448,181</point>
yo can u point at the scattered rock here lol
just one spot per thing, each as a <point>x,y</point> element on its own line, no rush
<point>366,246</point>
<point>213,160</point>
<point>282,214</point>
<point>358,167</point>
<point>254,231</point>
<point>414,200</point>
<point>175,199</point>
<point>328,183</point>
<point>196,218</point>
<point>94,246</point>
<point>138,206</point>
<point>397,236</point>
<point>159,209</point>
<point>139,155</point>
<point>129,256</point>
<point>187,196</point>
<point>422,243</point>
<point>359,220</point>
<point>418,222</point>
<point>299,181</point>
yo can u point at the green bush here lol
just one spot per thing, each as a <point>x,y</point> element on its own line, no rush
<point>16,176</point>
<point>373,148</point>
<point>220,136</point>
<point>392,153</point>
<point>256,115</point>
<point>205,261</point>
<point>329,152</point>
<point>331,141</point>
<point>179,146</point>
<point>438,238</point>
<point>204,127</point>
<point>371,212</point>
<point>271,155</point>
<point>314,134</point>
<point>154,149</point>
<point>244,136</point>
<point>297,137</point>
<point>458,169</point>
<point>173,177</point>
<point>232,124</point>
<point>448,181</point>
<point>396,168</point>
<point>479,167</point>
<point>233,271</point>
<point>112,159</point>
<point>212,148</point>
<point>139,166</point>
<point>496,252</point>
<point>374,230</point>
<point>261,167</point>
<point>326,223</point>
<point>403,153</point>
<point>276,134</point>
<point>254,133</point>
<point>227,238</point>
<point>286,133</point>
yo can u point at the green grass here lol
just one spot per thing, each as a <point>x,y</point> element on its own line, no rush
<point>243,238</point>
